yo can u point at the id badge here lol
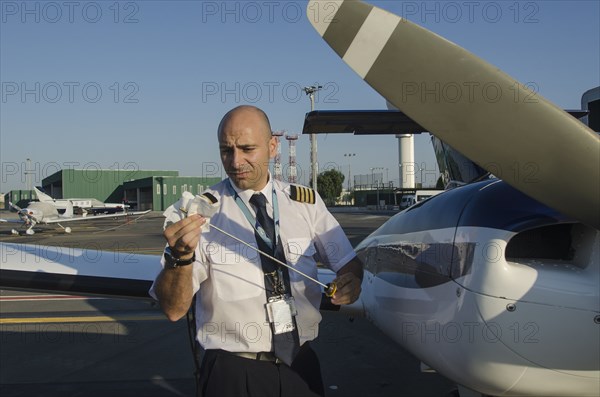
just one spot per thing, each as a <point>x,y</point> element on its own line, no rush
<point>280,311</point>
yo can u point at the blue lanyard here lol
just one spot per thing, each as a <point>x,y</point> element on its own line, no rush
<point>252,219</point>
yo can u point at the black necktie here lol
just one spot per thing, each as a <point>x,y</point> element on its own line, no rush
<point>259,201</point>
<point>285,345</point>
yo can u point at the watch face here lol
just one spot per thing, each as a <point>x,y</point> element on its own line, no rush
<point>170,262</point>
<point>169,252</point>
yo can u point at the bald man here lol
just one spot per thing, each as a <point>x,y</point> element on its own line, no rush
<point>254,317</point>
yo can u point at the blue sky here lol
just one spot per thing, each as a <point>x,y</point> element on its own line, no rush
<point>143,84</point>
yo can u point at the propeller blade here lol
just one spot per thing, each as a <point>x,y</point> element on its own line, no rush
<point>24,213</point>
<point>16,207</point>
<point>471,105</point>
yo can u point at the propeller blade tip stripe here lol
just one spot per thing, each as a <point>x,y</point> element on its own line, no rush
<point>364,51</point>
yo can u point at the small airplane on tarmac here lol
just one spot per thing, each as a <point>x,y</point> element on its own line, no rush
<point>494,284</point>
<point>87,205</point>
<point>47,213</point>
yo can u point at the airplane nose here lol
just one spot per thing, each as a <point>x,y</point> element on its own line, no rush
<point>23,215</point>
<point>29,213</point>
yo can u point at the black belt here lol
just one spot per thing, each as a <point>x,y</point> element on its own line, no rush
<point>260,356</point>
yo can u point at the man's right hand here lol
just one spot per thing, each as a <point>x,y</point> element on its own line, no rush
<point>183,237</point>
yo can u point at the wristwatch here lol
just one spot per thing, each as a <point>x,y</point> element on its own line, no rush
<point>172,261</point>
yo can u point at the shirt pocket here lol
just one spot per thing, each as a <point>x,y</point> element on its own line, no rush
<point>299,253</point>
<point>236,273</point>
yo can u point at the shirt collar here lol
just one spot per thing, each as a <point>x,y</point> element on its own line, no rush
<point>245,195</point>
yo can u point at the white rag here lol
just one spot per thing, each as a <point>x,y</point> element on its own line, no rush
<point>190,205</point>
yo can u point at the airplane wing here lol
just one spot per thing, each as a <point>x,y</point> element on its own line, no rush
<point>491,118</point>
<point>70,270</point>
<point>93,217</point>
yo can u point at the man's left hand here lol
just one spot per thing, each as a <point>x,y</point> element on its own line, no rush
<point>348,289</point>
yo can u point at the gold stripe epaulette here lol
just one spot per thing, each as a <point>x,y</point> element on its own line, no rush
<point>210,197</point>
<point>302,194</point>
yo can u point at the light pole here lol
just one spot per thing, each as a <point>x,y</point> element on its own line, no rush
<point>377,189</point>
<point>314,165</point>
<point>376,183</point>
<point>400,185</point>
<point>373,176</point>
<point>27,173</point>
<point>349,155</point>
<point>373,180</point>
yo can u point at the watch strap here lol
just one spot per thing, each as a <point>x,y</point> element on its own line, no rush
<point>172,261</point>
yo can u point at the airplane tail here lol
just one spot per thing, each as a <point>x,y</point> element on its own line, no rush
<point>41,196</point>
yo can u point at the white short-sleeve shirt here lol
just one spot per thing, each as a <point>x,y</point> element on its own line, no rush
<point>228,276</point>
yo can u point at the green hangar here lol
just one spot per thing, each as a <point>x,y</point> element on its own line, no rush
<point>141,189</point>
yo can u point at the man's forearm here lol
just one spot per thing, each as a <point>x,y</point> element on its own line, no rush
<point>174,291</point>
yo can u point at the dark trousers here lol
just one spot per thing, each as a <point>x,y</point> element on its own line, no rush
<point>223,374</point>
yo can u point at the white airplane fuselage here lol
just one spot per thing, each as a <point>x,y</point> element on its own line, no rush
<point>62,204</point>
<point>496,309</point>
<point>41,212</point>
<point>84,203</point>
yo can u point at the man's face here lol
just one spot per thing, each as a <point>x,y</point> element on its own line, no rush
<point>246,146</point>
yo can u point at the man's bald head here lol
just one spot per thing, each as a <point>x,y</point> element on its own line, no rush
<point>242,114</point>
<point>246,146</point>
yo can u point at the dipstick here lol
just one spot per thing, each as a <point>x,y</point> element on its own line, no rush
<point>330,289</point>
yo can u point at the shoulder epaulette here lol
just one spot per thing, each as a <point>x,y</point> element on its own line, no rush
<point>210,197</point>
<point>302,194</point>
